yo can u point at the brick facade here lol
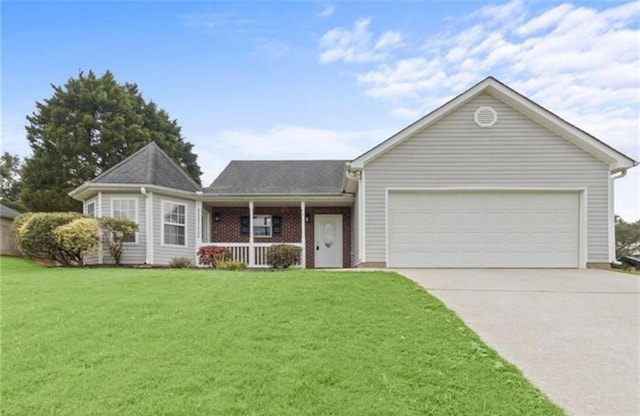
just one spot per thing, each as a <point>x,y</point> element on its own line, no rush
<point>227,229</point>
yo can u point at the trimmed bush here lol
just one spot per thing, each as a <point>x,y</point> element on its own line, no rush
<point>35,236</point>
<point>213,255</point>
<point>282,256</point>
<point>180,263</point>
<point>231,265</point>
<point>115,229</point>
<point>78,237</point>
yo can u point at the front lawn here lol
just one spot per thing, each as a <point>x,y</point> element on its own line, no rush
<point>201,342</point>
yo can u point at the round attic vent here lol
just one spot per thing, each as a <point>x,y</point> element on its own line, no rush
<point>485,117</point>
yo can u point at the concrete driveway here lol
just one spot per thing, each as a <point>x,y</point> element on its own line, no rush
<point>574,333</point>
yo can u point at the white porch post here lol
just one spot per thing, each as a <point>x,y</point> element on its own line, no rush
<point>303,237</point>
<point>198,230</point>
<point>252,250</point>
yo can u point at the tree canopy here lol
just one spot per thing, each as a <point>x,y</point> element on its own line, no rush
<point>10,182</point>
<point>627,238</point>
<point>90,124</point>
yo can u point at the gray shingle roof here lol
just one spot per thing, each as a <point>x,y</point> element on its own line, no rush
<point>149,166</point>
<point>6,212</point>
<point>280,177</point>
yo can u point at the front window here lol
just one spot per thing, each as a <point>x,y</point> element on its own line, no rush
<point>262,225</point>
<point>174,224</point>
<point>91,209</point>
<point>125,208</point>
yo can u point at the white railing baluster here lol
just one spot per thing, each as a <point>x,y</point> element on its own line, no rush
<point>242,252</point>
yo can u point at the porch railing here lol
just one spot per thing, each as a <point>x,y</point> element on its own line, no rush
<point>241,252</point>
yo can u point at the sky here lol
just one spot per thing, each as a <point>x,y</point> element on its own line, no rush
<point>319,80</point>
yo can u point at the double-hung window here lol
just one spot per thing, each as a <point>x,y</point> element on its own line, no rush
<point>263,225</point>
<point>174,223</point>
<point>91,209</point>
<point>125,208</point>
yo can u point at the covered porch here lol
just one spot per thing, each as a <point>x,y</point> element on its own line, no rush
<point>247,227</point>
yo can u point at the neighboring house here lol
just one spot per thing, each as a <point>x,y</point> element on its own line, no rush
<point>490,179</point>
<point>7,240</point>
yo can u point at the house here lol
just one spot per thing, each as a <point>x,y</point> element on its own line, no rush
<point>490,179</point>
<point>7,240</point>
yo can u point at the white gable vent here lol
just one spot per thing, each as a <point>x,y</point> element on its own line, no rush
<point>485,117</point>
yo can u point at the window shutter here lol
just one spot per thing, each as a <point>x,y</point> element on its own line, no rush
<point>277,225</point>
<point>244,226</point>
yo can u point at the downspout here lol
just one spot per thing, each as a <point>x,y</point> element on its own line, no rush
<point>357,175</point>
<point>612,221</point>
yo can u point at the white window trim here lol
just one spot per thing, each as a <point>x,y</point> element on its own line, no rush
<point>135,200</point>
<point>253,224</point>
<point>186,221</point>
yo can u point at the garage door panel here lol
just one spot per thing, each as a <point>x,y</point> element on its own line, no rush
<point>483,229</point>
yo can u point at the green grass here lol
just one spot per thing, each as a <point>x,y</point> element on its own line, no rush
<point>201,342</point>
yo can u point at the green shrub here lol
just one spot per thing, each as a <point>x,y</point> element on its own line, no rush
<point>213,255</point>
<point>181,263</point>
<point>35,236</point>
<point>282,256</point>
<point>114,231</point>
<point>78,237</point>
<point>231,265</point>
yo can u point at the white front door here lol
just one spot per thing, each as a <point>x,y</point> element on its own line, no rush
<point>328,241</point>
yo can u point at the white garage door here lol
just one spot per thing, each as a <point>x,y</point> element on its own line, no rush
<point>483,229</point>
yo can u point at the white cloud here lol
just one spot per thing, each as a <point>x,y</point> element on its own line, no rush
<point>579,61</point>
<point>328,11</point>
<point>282,142</point>
<point>545,20</point>
<point>389,40</point>
<point>357,45</point>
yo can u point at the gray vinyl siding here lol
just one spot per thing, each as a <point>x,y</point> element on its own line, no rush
<point>91,258</point>
<point>515,152</point>
<point>162,253</point>
<point>355,236</point>
<point>133,253</point>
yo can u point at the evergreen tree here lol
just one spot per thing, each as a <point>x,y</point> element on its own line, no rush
<point>87,126</point>
<point>10,182</point>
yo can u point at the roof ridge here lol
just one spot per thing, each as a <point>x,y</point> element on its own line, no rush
<point>178,167</point>
<point>151,164</point>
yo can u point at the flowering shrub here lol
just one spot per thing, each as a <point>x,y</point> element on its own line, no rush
<point>35,236</point>
<point>78,237</point>
<point>213,255</point>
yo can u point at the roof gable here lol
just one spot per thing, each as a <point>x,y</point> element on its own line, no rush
<point>148,166</point>
<point>616,160</point>
<point>269,177</point>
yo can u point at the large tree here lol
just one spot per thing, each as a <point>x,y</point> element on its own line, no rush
<point>90,124</point>
<point>627,238</point>
<point>10,182</point>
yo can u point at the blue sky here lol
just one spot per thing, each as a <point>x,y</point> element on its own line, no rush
<point>288,80</point>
